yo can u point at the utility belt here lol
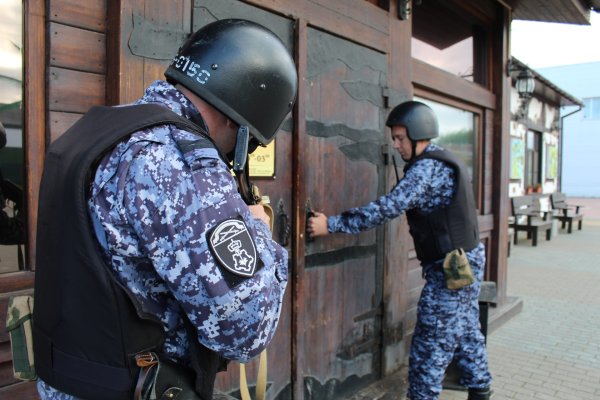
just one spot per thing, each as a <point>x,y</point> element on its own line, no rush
<point>163,380</point>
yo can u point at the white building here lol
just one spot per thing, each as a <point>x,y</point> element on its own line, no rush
<point>581,130</point>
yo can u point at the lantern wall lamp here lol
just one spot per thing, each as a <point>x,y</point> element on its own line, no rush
<point>525,84</point>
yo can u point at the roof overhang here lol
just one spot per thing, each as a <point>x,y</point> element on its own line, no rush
<point>546,89</point>
<point>560,11</point>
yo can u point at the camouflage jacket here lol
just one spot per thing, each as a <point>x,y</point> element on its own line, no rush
<point>153,209</point>
<point>427,185</point>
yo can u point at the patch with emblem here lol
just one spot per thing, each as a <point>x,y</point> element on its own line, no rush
<point>234,248</point>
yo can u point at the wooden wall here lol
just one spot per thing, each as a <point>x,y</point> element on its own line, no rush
<point>77,61</point>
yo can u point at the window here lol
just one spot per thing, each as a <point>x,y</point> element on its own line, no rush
<point>11,117</point>
<point>457,132</point>
<point>592,108</point>
<point>533,159</point>
<point>449,39</point>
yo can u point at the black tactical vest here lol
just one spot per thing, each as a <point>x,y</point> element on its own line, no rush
<point>448,228</point>
<point>86,327</point>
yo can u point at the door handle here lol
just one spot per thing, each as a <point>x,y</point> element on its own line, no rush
<point>283,225</point>
<point>309,213</point>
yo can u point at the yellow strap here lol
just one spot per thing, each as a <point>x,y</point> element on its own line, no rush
<point>244,383</point>
<point>261,382</point>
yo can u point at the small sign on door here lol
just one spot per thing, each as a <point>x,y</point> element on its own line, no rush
<point>262,162</point>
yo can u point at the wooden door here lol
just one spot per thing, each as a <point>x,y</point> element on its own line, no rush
<point>328,339</point>
<point>274,181</point>
<point>342,281</point>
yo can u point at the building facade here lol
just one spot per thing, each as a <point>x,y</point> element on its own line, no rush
<point>351,305</point>
<point>536,131</point>
<point>580,127</point>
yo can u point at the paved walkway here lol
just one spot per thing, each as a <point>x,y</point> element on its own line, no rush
<point>551,349</point>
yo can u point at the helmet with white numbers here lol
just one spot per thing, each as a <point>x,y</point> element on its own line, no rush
<point>243,70</point>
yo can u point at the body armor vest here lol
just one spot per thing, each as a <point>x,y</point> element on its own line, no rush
<point>87,328</point>
<point>448,228</point>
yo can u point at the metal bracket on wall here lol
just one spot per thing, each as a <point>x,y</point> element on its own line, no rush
<point>403,9</point>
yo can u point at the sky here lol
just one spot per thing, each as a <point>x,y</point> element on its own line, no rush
<point>543,44</point>
<point>10,51</point>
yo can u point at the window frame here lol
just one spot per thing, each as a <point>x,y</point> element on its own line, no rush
<point>481,43</point>
<point>34,137</point>
<point>533,158</point>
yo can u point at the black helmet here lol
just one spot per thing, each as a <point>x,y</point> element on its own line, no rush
<point>243,70</point>
<point>418,119</point>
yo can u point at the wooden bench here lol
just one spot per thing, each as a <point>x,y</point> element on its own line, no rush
<point>567,213</point>
<point>527,217</point>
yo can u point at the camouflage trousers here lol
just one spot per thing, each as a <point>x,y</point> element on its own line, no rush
<point>447,327</point>
<point>47,392</point>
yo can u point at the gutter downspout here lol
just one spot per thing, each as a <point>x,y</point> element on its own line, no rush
<point>560,158</point>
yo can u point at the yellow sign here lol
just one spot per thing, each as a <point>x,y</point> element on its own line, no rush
<point>262,162</point>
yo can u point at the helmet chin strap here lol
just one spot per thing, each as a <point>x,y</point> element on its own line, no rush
<point>414,150</point>
<point>240,155</point>
<point>240,166</point>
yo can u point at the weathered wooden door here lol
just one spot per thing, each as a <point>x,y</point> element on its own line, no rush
<point>272,173</point>
<point>329,157</point>
<point>340,327</point>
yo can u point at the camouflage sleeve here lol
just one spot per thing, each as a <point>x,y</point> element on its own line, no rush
<point>172,205</point>
<point>427,185</point>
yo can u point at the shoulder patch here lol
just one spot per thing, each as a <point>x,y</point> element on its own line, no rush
<point>233,247</point>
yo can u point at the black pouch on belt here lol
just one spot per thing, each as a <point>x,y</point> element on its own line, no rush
<point>163,380</point>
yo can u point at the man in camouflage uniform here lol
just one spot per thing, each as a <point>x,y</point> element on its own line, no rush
<point>432,191</point>
<point>160,204</point>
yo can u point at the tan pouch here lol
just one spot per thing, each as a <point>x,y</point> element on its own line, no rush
<point>457,270</point>
<point>18,326</point>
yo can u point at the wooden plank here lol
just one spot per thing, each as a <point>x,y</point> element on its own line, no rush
<point>59,122</point>
<point>397,289</point>
<point>34,126</point>
<point>113,52</point>
<point>74,91</point>
<point>5,350</point>
<point>415,276</point>
<point>16,281</point>
<point>437,80</point>
<point>129,74</point>
<point>153,70</point>
<point>486,222</point>
<point>498,249</point>
<point>34,80</point>
<point>6,374</point>
<point>373,33</point>
<point>91,15</point>
<point>21,391</point>
<point>125,71</point>
<point>77,49</point>
<point>356,10</point>
<point>488,161</point>
<point>298,273</point>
